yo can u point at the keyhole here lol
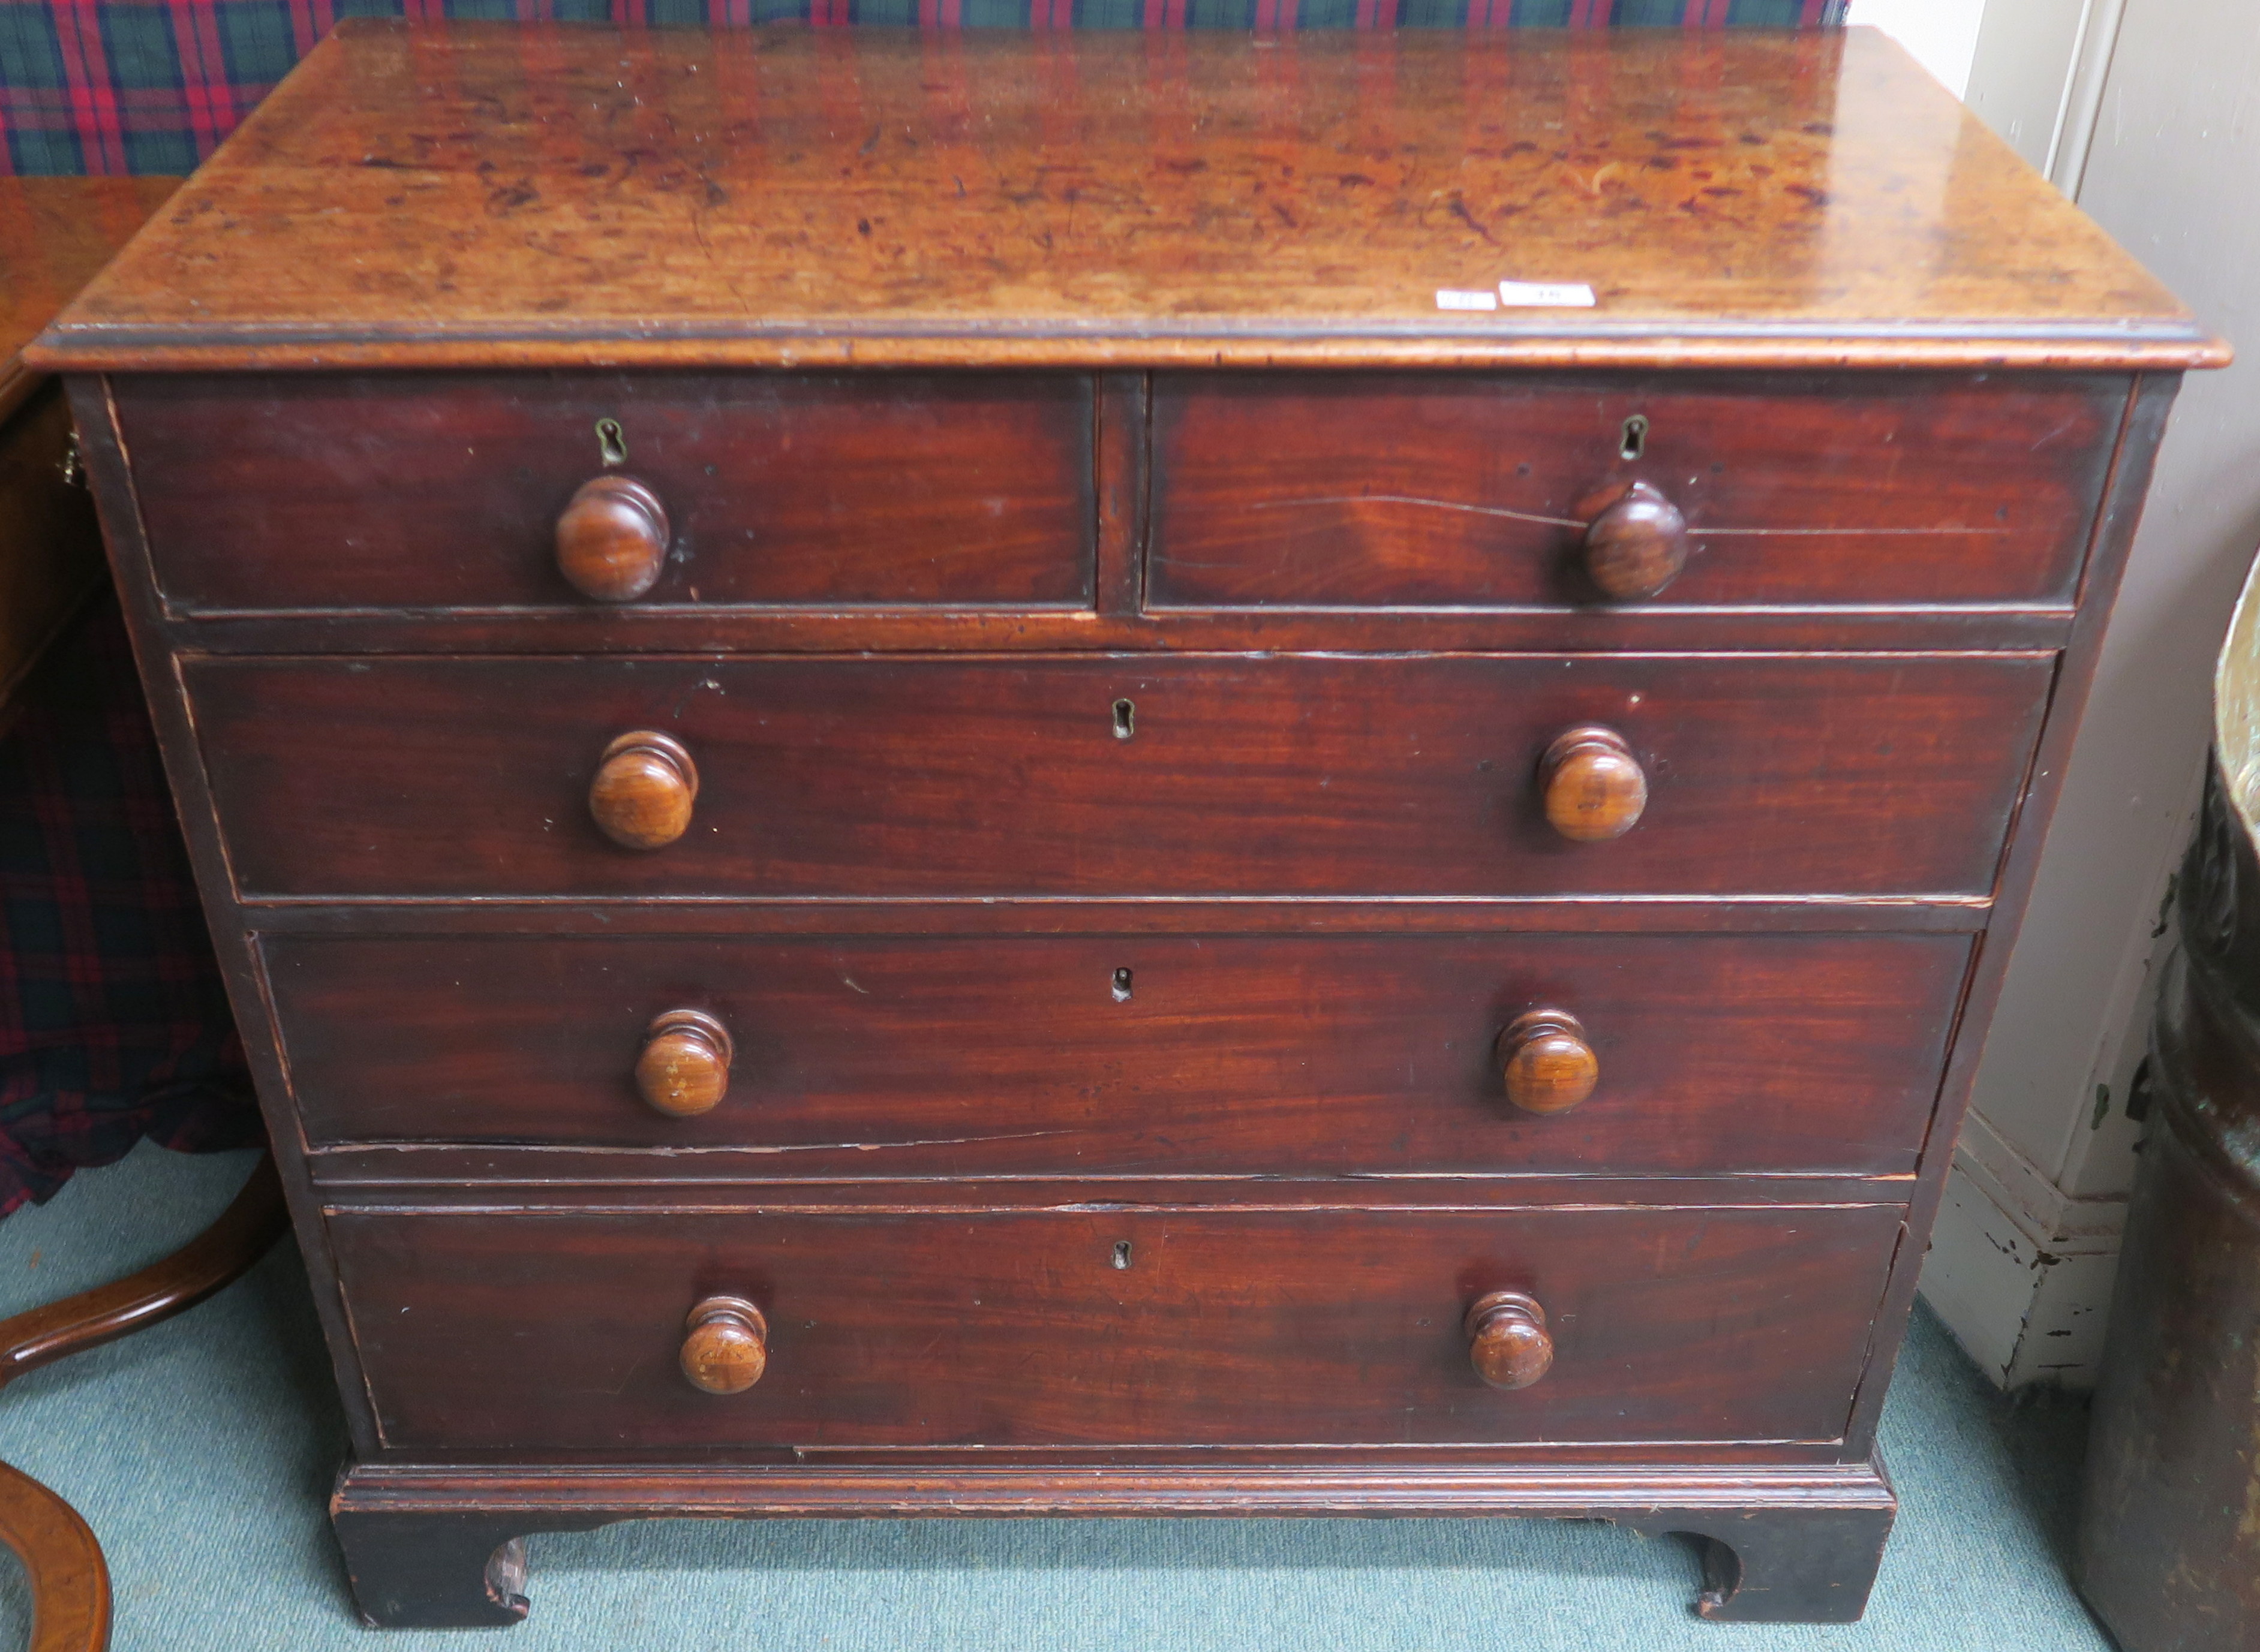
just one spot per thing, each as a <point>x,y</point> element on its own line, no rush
<point>1636,437</point>
<point>612,443</point>
<point>1122,986</point>
<point>1125,719</point>
<point>1122,1253</point>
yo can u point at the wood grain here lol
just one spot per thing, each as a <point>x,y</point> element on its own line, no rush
<point>1591,785</point>
<point>467,194</point>
<point>683,1068</point>
<point>1546,1064</point>
<point>725,1351</point>
<point>63,1568</point>
<point>1637,545</point>
<point>1380,490</point>
<point>2116,523</point>
<point>1298,1056</point>
<point>910,777</point>
<point>644,789</point>
<point>1122,791</point>
<point>55,234</point>
<point>554,1331</point>
<point>613,539</point>
<point>439,1547</point>
<point>1508,1344</point>
<point>684,628</point>
<point>779,488</point>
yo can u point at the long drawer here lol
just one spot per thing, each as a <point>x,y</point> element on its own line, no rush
<point>402,491</point>
<point>1468,489</point>
<point>1113,776</point>
<point>559,1330</point>
<point>855,1056</point>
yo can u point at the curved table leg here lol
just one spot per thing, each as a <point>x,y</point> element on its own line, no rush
<point>63,1565</point>
<point>62,1562</point>
<point>220,1255</point>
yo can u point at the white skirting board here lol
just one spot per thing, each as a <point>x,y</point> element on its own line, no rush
<point>2022,1273</point>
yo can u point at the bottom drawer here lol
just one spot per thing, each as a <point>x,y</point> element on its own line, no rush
<point>559,1330</point>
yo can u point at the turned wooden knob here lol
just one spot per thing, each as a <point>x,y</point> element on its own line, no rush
<point>1547,1065</point>
<point>684,1067</point>
<point>1507,1342</point>
<point>1594,787</point>
<point>728,1347</point>
<point>644,785</point>
<point>1637,546</point>
<point>611,539</point>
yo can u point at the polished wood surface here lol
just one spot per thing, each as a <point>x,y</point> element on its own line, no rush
<point>1388,491</point>
<point>63,1568</point>
<point>546,1329</point>
<point>683,1069</point>
<point>1591,786</point>
<point>727,1347</point>
<point>1546,1065</point>
<point>1637,545</point>
<point>779,489</point>
<point>1508,1343</point>
<point>244,1232</point>
<point>912,777</point>
<point>613,539</point>
<point>567,196</point>
<point>1121,846</point>
<point>432,1548</point>
<point>644,789</point>
<point>55,234</point>
<point>1301,1056</point>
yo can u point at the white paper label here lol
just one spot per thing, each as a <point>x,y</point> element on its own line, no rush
<point>1448,299</point>
<point>1558,294</point>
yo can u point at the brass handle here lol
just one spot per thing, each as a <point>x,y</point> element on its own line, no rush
<point>1547,1064</point>
<point>683,1069</point>
<point>728,1347</point>
<point>1507,1340</point>
<point>1637,546</point>
<point>644,787</point>
<point>1594,787</point>
<point>611,539</point>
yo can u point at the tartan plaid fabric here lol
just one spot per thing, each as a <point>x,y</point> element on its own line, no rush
<point>113,1023</point>
<point>128,86</point>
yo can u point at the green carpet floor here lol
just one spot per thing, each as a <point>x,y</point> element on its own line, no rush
<point>202,1452</point>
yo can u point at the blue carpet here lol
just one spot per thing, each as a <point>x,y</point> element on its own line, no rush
<point>202,1452</point>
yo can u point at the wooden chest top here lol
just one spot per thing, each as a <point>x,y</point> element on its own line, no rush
<point>1213,864</point>
<point>495,194</point>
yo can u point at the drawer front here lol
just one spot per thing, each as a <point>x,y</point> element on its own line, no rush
<point>1133,1327</point>
<point>915,778</point>
<point>1143,1055</point>
<point>439,492</point>
<point>1457,489</point>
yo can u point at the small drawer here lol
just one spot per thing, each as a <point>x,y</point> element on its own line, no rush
<point>556,1330</point>
<point>1469,491</point>
<point>1309,1056</point>
<point>915,778</point>
<point>431,492</point>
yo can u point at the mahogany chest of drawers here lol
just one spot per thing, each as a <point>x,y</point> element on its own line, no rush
<point>991,776</point>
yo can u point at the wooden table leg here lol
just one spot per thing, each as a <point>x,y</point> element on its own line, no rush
<point>62,1562</point>
<point>63,1565</point>
<point>222,1253</point>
